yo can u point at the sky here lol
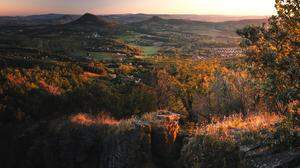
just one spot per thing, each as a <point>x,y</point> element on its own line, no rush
<point>202,7</point>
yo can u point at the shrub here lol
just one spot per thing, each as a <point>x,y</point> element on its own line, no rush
<point>218,144</point>
<point>206,151</point>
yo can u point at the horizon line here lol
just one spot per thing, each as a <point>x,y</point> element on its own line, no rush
<point>108,14</point>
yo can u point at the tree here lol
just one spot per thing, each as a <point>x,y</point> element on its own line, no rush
<point>185,80</point>
<point>273,55</point>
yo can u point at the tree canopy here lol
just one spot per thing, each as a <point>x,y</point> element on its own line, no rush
<point>273,52</point>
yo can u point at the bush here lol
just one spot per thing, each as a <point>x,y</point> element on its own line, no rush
<point>218,144</point>
<point>206,151</point>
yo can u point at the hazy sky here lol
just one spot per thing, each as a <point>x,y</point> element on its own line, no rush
<point>223,7</point>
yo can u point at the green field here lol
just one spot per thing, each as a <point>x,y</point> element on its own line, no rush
<point>102,56</point>
<point>99,56</point>
<point>130,36</point>
<point>149,50</point>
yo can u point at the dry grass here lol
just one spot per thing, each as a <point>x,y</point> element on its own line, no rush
<point>15,80</point>
<point>126,69</point>
<point>90,75</point>
<point>54,90</point>
<point>85,119</point>
<point>227,128</point>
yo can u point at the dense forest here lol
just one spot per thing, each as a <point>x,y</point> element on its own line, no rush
<point>153,93</point>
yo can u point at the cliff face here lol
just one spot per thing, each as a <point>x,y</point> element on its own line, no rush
<point>165,138</point>
<point>65,143</point>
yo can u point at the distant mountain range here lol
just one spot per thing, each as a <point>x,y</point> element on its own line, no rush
<point>52,19</point>
<point>128,18</point>
<point>227,28</point>
<point>39,25</point>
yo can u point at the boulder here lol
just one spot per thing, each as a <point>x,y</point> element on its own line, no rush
<point>285,159</point>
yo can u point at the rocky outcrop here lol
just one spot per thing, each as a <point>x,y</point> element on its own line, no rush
<point>151,142</point>
<point>127,149</point>
<point>88,144</point>
<point>260,156</point>
<point>166,141</point>
<point>286,159</point>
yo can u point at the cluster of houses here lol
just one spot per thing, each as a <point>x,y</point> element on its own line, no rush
<point>225,52</point>
<point>219,53</point>
<point>94,35</point>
